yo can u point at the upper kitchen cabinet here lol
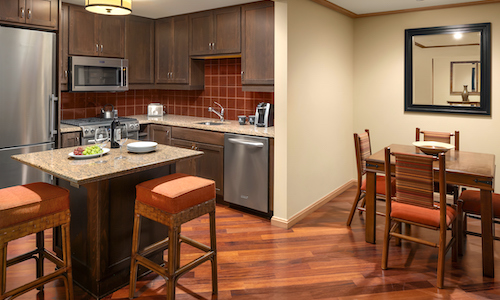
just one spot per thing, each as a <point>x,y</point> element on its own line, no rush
<point>36,13</point>
<point>215,32</point>
<point>257,53</point>
<point>174,69</point>
<point>63,48</point>
<point>95,35</point>
<point>139,50</point>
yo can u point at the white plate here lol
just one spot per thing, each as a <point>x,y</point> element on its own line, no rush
<point>431,144</point>
<point>144,150</point>
<point>104,151</point>
<point>142,145</point>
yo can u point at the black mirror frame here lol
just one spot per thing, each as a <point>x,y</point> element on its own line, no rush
<point>485,102</point>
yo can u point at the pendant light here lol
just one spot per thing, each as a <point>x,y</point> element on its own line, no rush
<point>109,7</point>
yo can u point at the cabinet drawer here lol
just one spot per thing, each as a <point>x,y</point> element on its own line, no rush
<point>196,135</point>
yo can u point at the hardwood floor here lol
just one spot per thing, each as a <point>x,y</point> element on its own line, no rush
<point>319,258</point>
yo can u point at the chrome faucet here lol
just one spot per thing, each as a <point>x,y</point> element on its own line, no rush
<point>221,114</point>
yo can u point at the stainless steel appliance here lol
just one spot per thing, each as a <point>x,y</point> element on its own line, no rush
<point>246,171</point>
<point>264,115</point>
<point>27,87</point>
<point>98,74</point>
<point>89,126</point>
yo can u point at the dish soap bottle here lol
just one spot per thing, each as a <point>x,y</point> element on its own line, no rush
<point>114,132</point>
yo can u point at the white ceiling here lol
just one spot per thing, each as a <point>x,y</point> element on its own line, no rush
<point>165,8</point>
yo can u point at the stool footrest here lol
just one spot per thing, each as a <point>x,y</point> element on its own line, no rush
<point>36,283</point>
<point>194,263</point>
<point>22,258</point>
<point>161,245</point>
<point>195,244</point>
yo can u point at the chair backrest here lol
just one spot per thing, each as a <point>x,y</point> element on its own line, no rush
<point>363,150</point>
<point>415,179</point>
<point>436,136</point>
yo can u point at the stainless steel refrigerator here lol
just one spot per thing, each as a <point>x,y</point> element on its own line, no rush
<point>27,102</point>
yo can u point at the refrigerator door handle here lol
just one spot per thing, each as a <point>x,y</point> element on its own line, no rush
<point>52,119</point>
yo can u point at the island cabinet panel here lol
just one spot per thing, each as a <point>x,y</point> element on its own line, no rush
<point>39,13</point>
<point>257,54</point>
<point>211,164</point>
<point>95,35</point>
<point>139,49</point>
<point>216,31</point>
<point>70,139</point>
<point>160,134</point>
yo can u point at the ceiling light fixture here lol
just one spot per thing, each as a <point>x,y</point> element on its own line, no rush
<point>109,7</point>
<point>457,35</point>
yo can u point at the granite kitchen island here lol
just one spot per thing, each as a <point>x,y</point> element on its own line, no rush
<point>102,197</point>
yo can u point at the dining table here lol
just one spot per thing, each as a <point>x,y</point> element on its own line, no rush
<point>470,169</point>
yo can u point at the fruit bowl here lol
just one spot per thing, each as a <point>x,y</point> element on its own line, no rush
<point>433,148</point>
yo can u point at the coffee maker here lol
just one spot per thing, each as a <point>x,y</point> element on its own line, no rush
<point>264,115</point>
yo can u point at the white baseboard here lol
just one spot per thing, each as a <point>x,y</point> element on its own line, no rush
<point>288,223</point>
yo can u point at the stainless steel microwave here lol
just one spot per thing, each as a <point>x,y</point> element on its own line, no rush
<point>97,74</point>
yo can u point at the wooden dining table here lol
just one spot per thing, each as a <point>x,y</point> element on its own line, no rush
<point>470,169</point>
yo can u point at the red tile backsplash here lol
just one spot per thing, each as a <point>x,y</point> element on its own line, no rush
<point>222,85</point>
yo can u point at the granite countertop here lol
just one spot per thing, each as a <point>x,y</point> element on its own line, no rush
<point>191,122</point>
<point>82,171</point>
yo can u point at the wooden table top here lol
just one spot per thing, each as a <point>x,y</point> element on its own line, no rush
<point>82,171</point>
<point>464,168</point>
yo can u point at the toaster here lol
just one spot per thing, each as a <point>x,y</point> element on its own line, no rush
<point>264,115</point>
<point>155,110</point>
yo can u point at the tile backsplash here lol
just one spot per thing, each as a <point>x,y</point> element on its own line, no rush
<point>222,85</point>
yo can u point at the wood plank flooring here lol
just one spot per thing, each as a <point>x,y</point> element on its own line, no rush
<point>319,258</point>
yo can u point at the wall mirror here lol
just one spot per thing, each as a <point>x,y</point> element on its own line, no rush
<point>448,69</point>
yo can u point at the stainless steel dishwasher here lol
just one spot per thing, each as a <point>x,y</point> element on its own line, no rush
<point>246,171</point>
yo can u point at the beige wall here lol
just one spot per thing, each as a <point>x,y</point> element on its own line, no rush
<point>313,98</point>
<point>379,80</point>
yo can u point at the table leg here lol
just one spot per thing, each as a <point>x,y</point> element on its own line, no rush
<point>487,234</point>
<point>371,207</point>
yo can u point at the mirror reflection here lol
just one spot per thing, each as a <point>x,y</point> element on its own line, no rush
<point>447,69</point>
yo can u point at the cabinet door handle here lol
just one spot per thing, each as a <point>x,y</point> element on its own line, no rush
<point>168,133</point>
<point>77,139</point>
<point>22,12</point>
<point>102,47</point>
<point>66,74</point>
<point>29,13</point>
<point>96,47</point>
<point>242,73</point>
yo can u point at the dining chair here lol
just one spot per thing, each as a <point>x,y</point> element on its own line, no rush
<point>414,205</point>
<point>443,137</point>
<point>470,203</point>
<point>363,149</point>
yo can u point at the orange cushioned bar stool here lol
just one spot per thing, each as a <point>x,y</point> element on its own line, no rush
<point>173,200</point>
<point>28,209</point>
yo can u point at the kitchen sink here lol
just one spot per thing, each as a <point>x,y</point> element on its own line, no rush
<point>210,123</point>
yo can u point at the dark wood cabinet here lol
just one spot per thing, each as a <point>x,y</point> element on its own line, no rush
<point>95,35</point>
<point>211,164</point>
<point>160,133</point>
<point>63,48</point>
<point>173,66</point>
<point>257,53</point>
<point>31,12</point>
<point>216,31</point>
<point>70,139</point>
<point>139,49</point>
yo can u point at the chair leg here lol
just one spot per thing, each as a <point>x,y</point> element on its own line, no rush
<point>398,230</point>
<point>173,253</point>
<point>385,252</point>
<point>460,232</point>
<point>66,242</point>
<point>40,245</point>
<point>353,208</point>
<point>3,268</point>
<point>135,249</point>
<point>213,246</point>
<point>455,246</point>
<point>441,257</point>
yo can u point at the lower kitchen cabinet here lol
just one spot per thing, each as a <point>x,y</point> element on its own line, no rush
<point>70,139</point>
<point>160,134</point>
<point>211,164</point>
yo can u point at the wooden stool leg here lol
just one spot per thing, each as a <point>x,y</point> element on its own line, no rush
<point>135,249</point>
<point>40,245</point>
<point>213,246</point>
<point>173,257</point>
<point>66,242</point>
<point>3,268</point>
<point>353,208</point>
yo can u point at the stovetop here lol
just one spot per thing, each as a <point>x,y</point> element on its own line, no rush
<point>95,121</point>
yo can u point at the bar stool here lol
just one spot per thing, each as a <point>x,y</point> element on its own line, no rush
<point>28,209</point>
<point>173,200</point>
